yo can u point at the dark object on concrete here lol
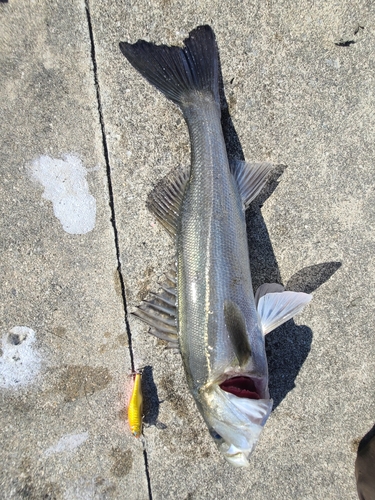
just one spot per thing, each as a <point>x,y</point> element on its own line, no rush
<point>345,43</point>
<point>365,467</point>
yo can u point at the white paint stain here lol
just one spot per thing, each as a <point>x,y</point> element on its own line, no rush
<point>67,443</point>
<point>65,184</point>
<point>20,362</point>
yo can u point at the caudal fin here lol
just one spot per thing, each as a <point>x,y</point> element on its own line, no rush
<point>177,71</point>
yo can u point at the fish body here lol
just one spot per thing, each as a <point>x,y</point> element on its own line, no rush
<point>135,406</point>
<point>213,263</point>
<point>220,325</point>
<point>214,281</point>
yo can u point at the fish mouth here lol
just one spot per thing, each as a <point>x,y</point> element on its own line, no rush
<point>242,387</point>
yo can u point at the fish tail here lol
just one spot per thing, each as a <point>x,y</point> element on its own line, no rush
<point>177,71</point>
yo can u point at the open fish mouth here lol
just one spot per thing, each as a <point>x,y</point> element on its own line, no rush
<point>236,413</point>
<point>242,387</point>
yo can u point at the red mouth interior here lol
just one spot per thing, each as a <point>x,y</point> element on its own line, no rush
<point>243,387</point>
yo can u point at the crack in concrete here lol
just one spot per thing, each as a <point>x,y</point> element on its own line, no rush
<point>112,206</point>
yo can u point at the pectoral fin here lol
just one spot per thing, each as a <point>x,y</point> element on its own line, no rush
<point>236,326</point>
<point>250,178</point>
<point>276,308</point>
<point>267,288</point>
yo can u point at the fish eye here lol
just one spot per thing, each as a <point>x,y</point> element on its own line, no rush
<point>214,434</point>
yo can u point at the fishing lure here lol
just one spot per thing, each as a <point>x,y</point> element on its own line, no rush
<point>135,406</point>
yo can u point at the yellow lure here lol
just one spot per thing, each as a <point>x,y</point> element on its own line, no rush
<point>135,407</point>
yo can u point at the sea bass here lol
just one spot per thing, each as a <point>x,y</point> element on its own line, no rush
<point>209,311</point>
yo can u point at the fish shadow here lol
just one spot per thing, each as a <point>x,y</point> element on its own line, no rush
<point>151,399</point>
<point>288,346</point>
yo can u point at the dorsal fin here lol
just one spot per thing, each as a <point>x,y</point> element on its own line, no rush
<point>250,178</point>
<point>165,199</point>
<point>236,326</point>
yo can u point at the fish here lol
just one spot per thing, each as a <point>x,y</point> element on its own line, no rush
<point>207,308</point>
<point>135,406</point>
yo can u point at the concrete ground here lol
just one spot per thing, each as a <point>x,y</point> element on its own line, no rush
<point>84,139</point>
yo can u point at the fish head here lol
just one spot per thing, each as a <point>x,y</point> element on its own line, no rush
<point>235,422</point>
